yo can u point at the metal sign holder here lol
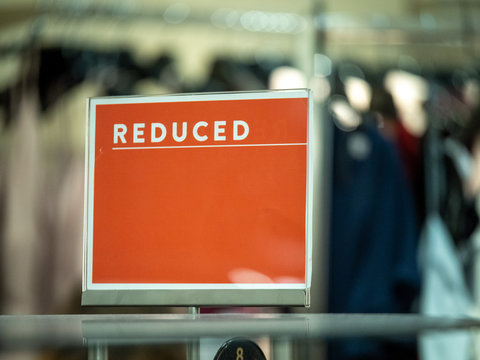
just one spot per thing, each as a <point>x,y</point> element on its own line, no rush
<point>193,295</point>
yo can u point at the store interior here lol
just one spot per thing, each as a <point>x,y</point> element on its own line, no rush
<point>397,93</point>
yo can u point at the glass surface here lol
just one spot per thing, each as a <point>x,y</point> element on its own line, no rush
<point>291,335</point>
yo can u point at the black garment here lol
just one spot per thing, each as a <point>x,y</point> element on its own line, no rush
<point>457,211</point>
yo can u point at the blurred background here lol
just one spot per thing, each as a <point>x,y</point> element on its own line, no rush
<point>396,87</point>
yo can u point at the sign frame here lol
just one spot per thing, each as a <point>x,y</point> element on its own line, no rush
<point>232,294</point>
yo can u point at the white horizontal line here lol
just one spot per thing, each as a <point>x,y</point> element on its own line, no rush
<point>201,146</point>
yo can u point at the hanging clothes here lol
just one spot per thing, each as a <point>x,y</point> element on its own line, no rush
<point>444,291</point>
<point>20,230</point>
<point>373,241</point>
<point>373,227</point>
<point>447,231</point>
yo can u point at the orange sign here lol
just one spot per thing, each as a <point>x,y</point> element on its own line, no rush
<point>203,191</point>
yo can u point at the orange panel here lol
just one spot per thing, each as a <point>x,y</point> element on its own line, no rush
<point>201,214</point>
